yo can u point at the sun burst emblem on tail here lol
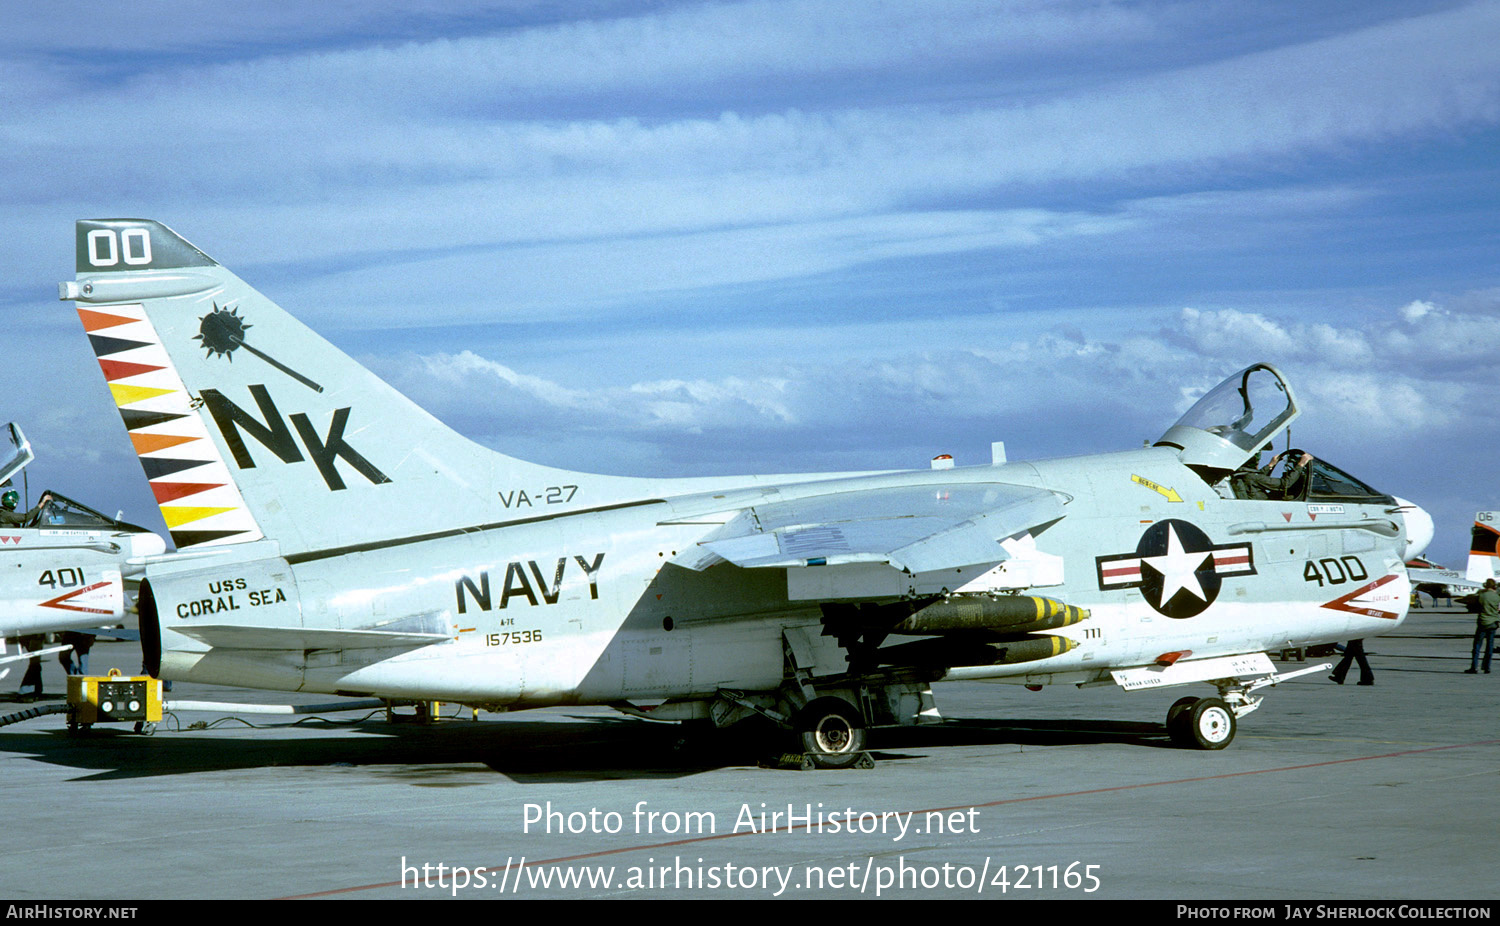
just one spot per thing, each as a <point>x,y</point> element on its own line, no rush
<point>223,330</point>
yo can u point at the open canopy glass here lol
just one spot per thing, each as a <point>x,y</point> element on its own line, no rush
<point>1234,420</point>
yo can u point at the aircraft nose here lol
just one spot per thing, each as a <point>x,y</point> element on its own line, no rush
<point>1419,527</point>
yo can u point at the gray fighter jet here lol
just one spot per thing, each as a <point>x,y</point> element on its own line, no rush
<point>337,538</point>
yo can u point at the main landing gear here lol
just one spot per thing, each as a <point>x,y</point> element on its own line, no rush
<point>832,732</point>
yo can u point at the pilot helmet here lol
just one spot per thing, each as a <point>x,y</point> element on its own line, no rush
<point>9,499</point>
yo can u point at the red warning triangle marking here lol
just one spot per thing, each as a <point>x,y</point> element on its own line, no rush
<point>120,369</point>
<point>97,321</point>
<point>172,491</point>
<point>1287,515</point>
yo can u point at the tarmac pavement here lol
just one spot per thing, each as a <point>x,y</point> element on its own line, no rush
<point>1328,793</point>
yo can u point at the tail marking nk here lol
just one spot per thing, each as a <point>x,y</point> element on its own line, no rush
<point>274,435</point>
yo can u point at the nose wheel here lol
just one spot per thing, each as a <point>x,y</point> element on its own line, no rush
<point>1201,723</point>
<point>1210,723</point>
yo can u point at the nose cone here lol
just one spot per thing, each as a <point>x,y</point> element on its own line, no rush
<point>1418,528</point>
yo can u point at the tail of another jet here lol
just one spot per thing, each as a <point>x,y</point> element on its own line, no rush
<point>250,425</point>
<point>1484,547</point>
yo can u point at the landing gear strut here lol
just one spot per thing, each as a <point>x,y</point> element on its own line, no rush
<point>1210,723</point>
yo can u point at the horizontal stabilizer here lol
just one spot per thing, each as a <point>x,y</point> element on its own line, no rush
<point>915,528</point>
<point>1451,579</point>
<point>239,636</point>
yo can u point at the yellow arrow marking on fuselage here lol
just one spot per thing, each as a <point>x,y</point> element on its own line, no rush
<point>1169,494</point>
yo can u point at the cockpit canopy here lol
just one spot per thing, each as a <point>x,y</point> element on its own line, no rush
<point>15,452</point>
<point>1328,483</point>
<point>61,511</point>
<point>1234,420</point>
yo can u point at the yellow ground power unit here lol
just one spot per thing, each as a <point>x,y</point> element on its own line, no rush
<point>113,698</point>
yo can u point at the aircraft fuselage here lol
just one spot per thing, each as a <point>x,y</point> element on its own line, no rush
<point>587,606</point>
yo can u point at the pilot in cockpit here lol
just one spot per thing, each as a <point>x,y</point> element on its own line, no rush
<point>1258,483</point>
<point>10,517</point>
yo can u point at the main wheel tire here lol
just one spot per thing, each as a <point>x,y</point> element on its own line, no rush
<point>1176,727</point>
<point>1210,723</point>
<point>832,732</point>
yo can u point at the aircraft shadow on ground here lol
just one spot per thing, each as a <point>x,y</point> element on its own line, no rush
<point>458,753</point>
<point>1059,732</point>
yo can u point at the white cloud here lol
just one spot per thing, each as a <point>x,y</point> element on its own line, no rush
<point>1237,333</point>
<point>580,278</point>
<point>1089,393</point>
<point>1416,309</point>
<point>411,141</point>
<point>666,47</point>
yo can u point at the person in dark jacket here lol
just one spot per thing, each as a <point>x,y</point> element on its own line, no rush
<point>1354,649</point>
<point>1484,626</point>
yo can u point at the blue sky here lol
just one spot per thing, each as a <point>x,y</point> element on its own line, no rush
<point>654,237</point>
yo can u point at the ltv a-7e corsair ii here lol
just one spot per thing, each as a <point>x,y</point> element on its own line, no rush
<point>337,538</point>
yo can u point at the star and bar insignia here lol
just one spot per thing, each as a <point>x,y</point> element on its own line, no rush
<point>1177,567</point>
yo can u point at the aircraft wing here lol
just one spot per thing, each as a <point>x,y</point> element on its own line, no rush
<point>1454,580</point>
<point>914,528</point>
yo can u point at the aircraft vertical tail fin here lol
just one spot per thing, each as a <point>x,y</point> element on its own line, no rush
<point>1484,547</point>
<point>249,425</point>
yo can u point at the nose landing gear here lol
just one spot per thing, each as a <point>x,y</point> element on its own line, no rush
<point>1210,723</point>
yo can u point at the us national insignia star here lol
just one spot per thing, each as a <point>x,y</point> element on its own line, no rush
<point>1177,567</point>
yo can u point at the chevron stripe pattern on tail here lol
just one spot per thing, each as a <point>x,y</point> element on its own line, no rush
<point>198,499</point>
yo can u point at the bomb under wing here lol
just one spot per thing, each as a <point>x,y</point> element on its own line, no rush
<point>1010,614</point>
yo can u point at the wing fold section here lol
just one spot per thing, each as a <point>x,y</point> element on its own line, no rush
<point>911,528</point>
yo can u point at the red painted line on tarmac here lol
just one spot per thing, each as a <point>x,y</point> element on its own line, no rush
<point>497,869</point>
